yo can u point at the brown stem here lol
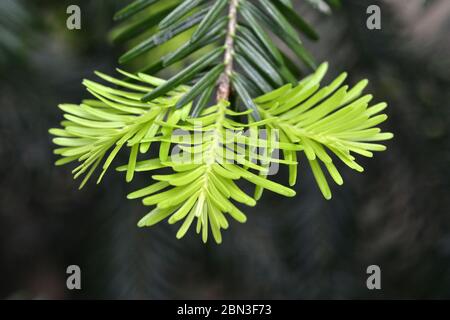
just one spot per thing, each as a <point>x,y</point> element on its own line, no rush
<point>223,91</point>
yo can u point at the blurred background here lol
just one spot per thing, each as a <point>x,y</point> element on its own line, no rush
<point>395,215</point>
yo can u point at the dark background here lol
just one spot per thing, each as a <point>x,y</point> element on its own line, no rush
<point>395,215</point>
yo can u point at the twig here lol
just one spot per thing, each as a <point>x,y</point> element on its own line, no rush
<point>223,91</point>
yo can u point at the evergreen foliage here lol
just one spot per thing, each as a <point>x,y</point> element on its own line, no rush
<point>214,110</point>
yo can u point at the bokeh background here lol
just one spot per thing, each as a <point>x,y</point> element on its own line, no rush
<point>395,215</point>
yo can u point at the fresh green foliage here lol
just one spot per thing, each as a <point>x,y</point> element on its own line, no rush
<point>207,147</point>
<point>215,150</point>
<point>210,162</point>
<point>334,118</point>
<point>115,119</point>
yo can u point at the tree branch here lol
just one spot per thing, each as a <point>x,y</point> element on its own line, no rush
<point>223,91</point>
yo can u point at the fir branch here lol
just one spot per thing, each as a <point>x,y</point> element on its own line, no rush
<point>323,123</point>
